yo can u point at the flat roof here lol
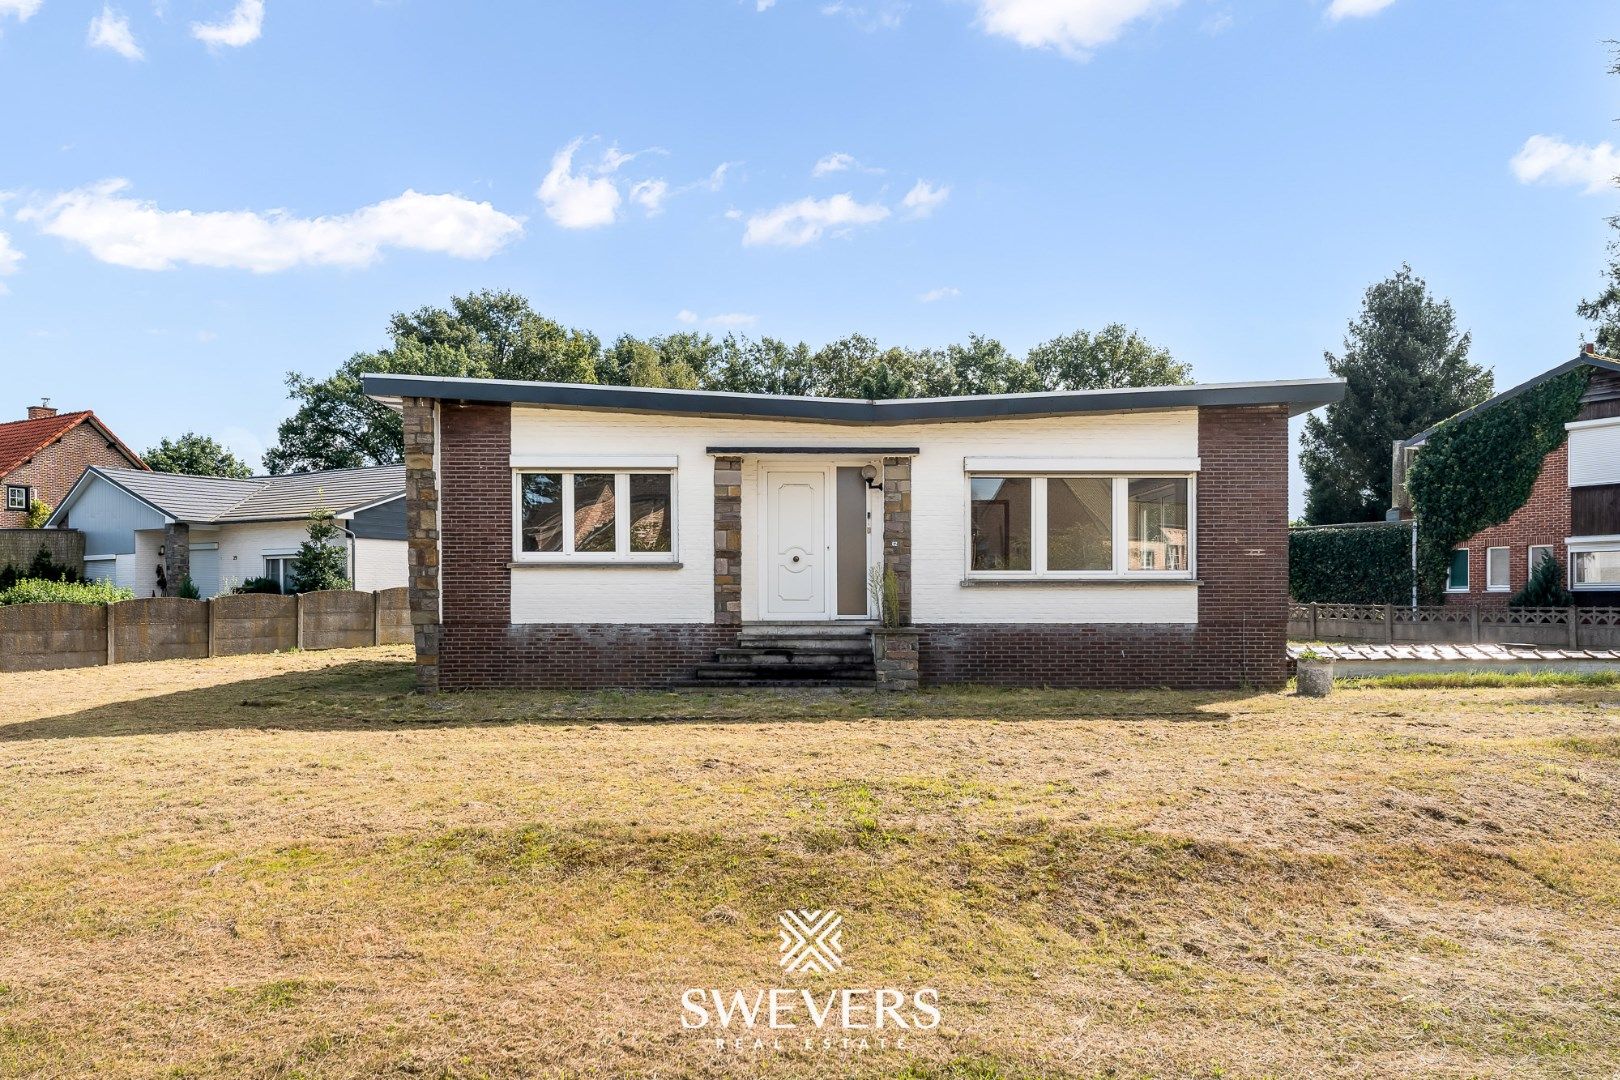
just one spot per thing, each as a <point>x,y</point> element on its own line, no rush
<point>1300,395</point>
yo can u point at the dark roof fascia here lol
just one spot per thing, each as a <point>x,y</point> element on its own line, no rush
<point>869,451</point>
<point>1567,366</point>
<point>1300,395</point>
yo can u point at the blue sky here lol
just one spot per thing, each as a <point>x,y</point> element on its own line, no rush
<point>205,194</point>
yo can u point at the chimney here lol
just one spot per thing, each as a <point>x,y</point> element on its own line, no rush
<point>42,410</point>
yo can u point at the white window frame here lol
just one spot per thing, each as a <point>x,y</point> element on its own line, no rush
<point>1507,571</point>
<point>1530,557</point>
<point>1468,572</point>
<point>1575,545</point>
<point>285,558</point>
<point>1120,528</point>
<point>621,552</point>
<point>11,501</point>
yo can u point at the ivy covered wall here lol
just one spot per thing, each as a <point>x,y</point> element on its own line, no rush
<point>1474,473</point>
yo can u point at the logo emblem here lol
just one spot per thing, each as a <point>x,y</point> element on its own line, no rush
<point>810,942</point>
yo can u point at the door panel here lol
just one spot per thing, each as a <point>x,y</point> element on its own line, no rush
<point>796,545</point>
<point>205,571</point>
<point>852,543</point>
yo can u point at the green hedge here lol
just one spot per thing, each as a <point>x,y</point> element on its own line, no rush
<point>36,591</point>
<point>1370,564</point>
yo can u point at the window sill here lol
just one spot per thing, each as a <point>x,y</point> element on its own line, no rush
<point>597,564</point>
<point>1075,583</point>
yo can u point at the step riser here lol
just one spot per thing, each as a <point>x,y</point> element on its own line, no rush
<point>792,655</point>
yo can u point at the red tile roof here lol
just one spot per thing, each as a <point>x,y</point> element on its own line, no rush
<point>20,440</point>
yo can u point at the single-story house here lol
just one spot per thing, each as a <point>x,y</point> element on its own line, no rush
<point>41,457</point>
<point>1572,514</point>
<point>147,531</point>
<point>563,535</point>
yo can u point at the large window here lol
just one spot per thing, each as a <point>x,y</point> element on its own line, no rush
<point>1594,567</point>
<point>1079,526</point>
<point>595,515</point>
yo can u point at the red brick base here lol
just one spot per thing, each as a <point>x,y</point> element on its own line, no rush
<point>647,656</point>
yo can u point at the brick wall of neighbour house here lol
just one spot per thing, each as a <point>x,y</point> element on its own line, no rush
<point>1543,519</point>
<point>55,469</point>
<point>1241,537</point>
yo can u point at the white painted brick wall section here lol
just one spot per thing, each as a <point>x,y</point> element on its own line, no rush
<point>562,594</point>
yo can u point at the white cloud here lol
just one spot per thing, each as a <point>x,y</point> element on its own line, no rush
<point>727,319</point>
<point>577,201</point>
<point>22,9</point>
<point>924,198</point>
<point>880,15</point>
<point>733,214</point>
<point>241,27</point>
<point>1072,27</point>
<point>650,195</point>
<point>110,30</point>
<point>125,231</point>
<point>1552,160</point>
<point>945,292</point>
<point>1355,9</point>
<point>840,162</point>
<point>796,223</point>
<point>10,257</point>
<point>764,5</point>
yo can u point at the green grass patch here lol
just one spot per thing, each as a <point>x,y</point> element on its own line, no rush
<point>1480,680</point>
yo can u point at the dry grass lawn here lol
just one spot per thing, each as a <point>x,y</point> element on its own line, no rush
<point>287,866</point>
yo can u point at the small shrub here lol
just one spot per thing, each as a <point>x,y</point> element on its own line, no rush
<point>37,591</point>
<point>259,585</point>
<point>38,514</point>
<point>46,568</point>
<point>321,563</point>
<point>885,589</point>
<point>1545,587</point>
<point>187,589</point>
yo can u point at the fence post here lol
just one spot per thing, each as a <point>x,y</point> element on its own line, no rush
<point>299,608</point>
<point>1473,624</point>
<point>1314,635</point>
<point>112,646</point>
<point>1389,624</point>
<point>1574,617</point>
<point>213,648</point>
<point>376,617</point>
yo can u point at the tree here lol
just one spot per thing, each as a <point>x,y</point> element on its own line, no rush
<point>484,335</point>
<point>321,562</point>
<point>1112,358</point>
<point>1604,308</point>
<point>1406,367</point>
<point>197,455</point>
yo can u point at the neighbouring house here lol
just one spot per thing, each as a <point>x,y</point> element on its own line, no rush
<point>1573,511</point>
<point>42,456</point>
<point>147,531</point>
<point>585,536</point>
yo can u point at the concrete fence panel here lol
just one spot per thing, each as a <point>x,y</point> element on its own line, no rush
<point>159,628</point>
<point>19,546</point>
<point>35,637</point>
<point>394,617</point>
<point>337,620</point>
<point>254,623</point>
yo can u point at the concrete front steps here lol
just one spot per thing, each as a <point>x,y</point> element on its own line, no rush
<point>790,655</point>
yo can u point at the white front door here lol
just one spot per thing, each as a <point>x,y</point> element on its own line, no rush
<point>796,550</point>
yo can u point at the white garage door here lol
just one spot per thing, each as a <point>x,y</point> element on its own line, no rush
<point>101,569</point>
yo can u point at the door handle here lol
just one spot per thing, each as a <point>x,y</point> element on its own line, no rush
<point>795,558</point>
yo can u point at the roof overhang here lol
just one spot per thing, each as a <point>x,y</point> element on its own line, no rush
<point>1299,395</point>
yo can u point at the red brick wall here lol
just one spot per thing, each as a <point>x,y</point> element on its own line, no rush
<point>56,468</point>
<point>1543,519</point>
<point>1242,562</point>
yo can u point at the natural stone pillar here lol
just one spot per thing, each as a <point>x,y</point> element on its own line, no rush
<point>422,537</point>
<point>176,556</point>
<point>895,658</point>
<point>897,528</point>
<point>728,553</point>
